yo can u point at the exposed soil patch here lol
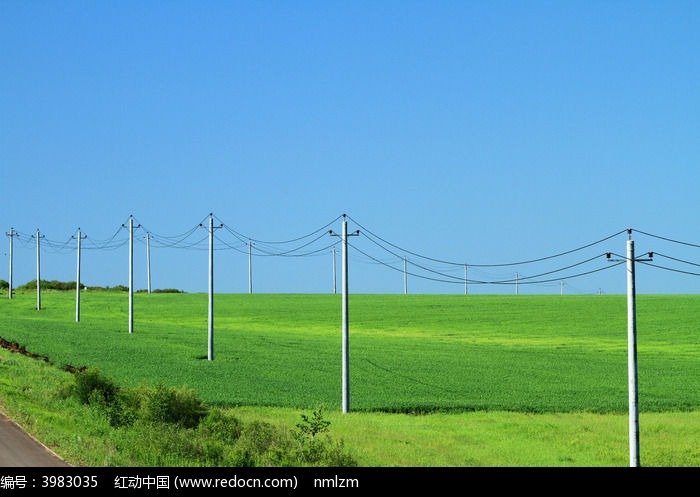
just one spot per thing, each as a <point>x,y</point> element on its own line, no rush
<point>20,349</point>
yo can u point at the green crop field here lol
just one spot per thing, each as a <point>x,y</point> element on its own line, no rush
<point>491,376</point>
<point>408,353</point>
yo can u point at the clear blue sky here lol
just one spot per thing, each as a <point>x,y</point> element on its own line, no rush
<point>477,132</point>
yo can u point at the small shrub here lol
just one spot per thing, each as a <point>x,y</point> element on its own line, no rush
<point>313,425</point>
<point>91,387</point>
<point>259,445</point>
<point>316,450</point>
<point>221,426</point>
<point>177,406</point>
<point>124,411</point>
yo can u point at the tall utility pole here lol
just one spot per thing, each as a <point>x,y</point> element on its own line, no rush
<point>405,277</point>
<point>210,334</point>
<point>11,235</point>
<point>250,266</point>
<point>38,271</point>
<point>334,276</point>
<point>345,315</point>
<point>632,350</point>
<point>131,272</point>
<point>465,279</point>
<point>77,280</point>
<point>210,321</point>
<point>632,357</point>
<point>516,283</point>
<point>148,261</point>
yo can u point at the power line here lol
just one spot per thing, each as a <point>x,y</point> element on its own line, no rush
<point>669,239</point>
<point>461,264</point>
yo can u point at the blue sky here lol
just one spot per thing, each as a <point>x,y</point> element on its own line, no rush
<point>485,133</point>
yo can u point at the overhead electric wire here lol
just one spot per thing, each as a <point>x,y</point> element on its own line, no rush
<point>290,251</point>
<point>578,275</point>
<point>520,279</point>
<point>366,231</point>
<point>677,260</point>
<point>669,269</point>
<point>668,239</point>
<point>279,242</point>
<point>498,282</point>
<point>106,244</point>
<point>415,264</point>
<point>303,246</point>
<point>461,279</point>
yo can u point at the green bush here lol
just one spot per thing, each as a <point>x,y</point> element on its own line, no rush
<point>56,285</point>
<point>173,426</point>
<point>260,444</point>
<point>222,426</point>
<point>91,387</point>
<point>125,408</point>
<point>314,449</point>
<point>178,406</point>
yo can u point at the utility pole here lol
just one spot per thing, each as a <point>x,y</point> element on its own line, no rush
<point>516,283</point>
<point>131,272</point>
<point>465,279</point>
<point>405,277</point>
<point>345,315</point>
<point>38,270</point>
<point>334,276</point>
<point>11,235</point>
<point>77,280</point>
<point>632,357</point>
<point>210,334</point>
<point>561,288</point>
<point>250,267</point>
<point>632,350</point>
<point>148,261</point>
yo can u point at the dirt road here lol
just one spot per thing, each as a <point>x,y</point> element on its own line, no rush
<point>19,449</point>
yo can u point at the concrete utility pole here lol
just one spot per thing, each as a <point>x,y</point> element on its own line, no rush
<point>77,280</point>
<point>334,275</point>
<point>632,350</point>
<point>516,283</point>
<point>131,272</point>
<point>148,261</point>
<point>405,277</point>
<point>250,266</point>
<point>465,279</point>
<point>11,235</point>
<point>632,357</point>
<point>38,271</point>
<point>210,337</point>
<point>210,321</point>
<point>345,315</point>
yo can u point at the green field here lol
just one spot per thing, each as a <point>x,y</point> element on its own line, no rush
<point>438,355</point>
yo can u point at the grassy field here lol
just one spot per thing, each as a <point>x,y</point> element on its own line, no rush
<point>497,380</point>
